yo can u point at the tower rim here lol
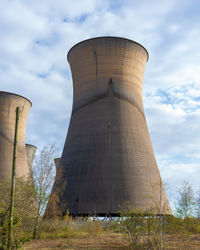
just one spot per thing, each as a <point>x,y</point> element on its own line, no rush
<point>112,37</point>
<point>10,93</point>
<point>28,144</point>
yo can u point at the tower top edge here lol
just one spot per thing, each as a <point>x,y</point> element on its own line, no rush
<point>9,93</point>
<point>57,158</point>
<point>30,145</point>
<point>108,37</point>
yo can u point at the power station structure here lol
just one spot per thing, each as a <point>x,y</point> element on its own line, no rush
<point>30,151</point>
<point>108,157</point>
<point>8,104</point>
<point>57,163</point>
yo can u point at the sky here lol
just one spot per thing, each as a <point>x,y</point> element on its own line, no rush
<point>35,37</point>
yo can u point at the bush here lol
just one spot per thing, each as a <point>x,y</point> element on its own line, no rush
<point>132,222</point>
<point>67,228</point>
<point>93,228</point>
<point>24,211</point>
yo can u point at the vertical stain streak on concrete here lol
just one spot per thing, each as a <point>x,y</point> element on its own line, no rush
<point>9,108</point>
<point>110,86</point>
<point>22,109</point>
<point>109,140</point>
<point>96,61</point>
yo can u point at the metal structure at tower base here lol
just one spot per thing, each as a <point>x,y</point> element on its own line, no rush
<point>108,158</point>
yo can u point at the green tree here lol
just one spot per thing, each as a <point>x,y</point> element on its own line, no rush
<point>24,211</point>
<point>186,201</point>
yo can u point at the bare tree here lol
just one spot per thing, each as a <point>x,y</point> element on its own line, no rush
<point>198,204</point>
<point>160,208</point>
<point>186,201</point>
<point>43,175</point>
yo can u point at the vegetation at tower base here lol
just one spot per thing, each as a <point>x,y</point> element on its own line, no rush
<point>68,233</point>
<point>144,230</point>
<point>27,209</point>
<point>133,228</point>
<point>24,211</point>
<point>43,175</point>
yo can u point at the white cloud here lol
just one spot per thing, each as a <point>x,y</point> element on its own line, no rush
<point>173,120</point>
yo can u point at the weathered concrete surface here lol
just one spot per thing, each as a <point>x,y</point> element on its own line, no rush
<point>30,151</point>
<point>57,163</point>
<point>8,104</point>
<point>108,157</point>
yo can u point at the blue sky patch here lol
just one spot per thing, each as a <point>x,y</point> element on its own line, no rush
<point>42,75</point>
<point>42,43</point>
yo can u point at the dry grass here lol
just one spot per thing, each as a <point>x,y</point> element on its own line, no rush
<point>68,234</point>
<point>178,242</point>
<point>103,241</point>
<point>109,241</point>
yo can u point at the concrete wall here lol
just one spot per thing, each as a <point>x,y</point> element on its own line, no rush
<point>57,163</point>
<point>108,157</point>
<point>8,104</point>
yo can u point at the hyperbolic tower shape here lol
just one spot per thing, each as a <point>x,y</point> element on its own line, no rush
<point>8,104</point>
<point>108,157</point>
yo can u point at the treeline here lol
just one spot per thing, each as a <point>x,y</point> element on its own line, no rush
<point>148,230</point>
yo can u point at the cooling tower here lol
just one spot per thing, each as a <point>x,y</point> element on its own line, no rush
<point>8,104</point>
<point>108,157</point>
<point>57,163</point>
<point>30,151</point>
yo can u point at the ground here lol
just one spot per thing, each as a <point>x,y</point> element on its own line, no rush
<point>109,241</point>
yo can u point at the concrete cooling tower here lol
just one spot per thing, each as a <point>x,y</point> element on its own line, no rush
<point>108,157</point>
<point>8,104</point>
<point>30,151</point>
<point>57,163</point>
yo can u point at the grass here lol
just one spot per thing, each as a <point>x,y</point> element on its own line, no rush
<point>103,241</point>
<point>107,241</point>
<point>69,234</point>
<point>70,229</point>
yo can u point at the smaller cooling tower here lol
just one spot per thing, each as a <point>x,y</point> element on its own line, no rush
<point>30,150</point>
<point>57,163</point>
<point>8,104</point>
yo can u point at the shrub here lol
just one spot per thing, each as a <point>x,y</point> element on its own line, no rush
<point>24,211</point>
